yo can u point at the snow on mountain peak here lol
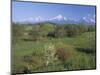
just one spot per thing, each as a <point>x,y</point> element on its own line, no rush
<point>60,20</point>
<point>59,17</point>
<point>89,18</point>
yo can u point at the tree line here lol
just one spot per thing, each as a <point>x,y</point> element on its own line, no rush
<point>58,31</point>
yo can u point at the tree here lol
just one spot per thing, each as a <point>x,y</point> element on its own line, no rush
<point>59,31</point>
<point>72,30</point>
<point>17,30</point>
<point>33,34</point>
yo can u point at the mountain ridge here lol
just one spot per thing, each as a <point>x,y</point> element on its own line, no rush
<point>60,20</point>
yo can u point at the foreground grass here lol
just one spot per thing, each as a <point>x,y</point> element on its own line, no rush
<point>35,49</point>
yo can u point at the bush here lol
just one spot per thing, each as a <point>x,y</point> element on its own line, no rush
<point>49,53</point>
<point>51,34</point>
<point>64,52</point>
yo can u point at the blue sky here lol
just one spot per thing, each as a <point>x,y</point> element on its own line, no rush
<point>30,11</point>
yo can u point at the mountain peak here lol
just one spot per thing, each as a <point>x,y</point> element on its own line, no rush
<point>58,17</point>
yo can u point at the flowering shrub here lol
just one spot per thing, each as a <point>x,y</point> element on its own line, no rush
<point>49,53</point>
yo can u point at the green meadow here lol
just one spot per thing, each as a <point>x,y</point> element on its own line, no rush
<point>50,47</point>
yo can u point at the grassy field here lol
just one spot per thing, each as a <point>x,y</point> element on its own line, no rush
<point>53,54</point>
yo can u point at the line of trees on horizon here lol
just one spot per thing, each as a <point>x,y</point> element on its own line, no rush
<point>57,31</point>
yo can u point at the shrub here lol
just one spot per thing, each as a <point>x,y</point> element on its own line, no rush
<point>33,61</point>
<point>51,34</point>
<point>49,53</point>
<point>64,52</point>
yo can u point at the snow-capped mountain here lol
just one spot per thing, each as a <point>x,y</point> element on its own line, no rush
<point>63,20</point>
<point>87,20</point>
<point>59,19</point>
